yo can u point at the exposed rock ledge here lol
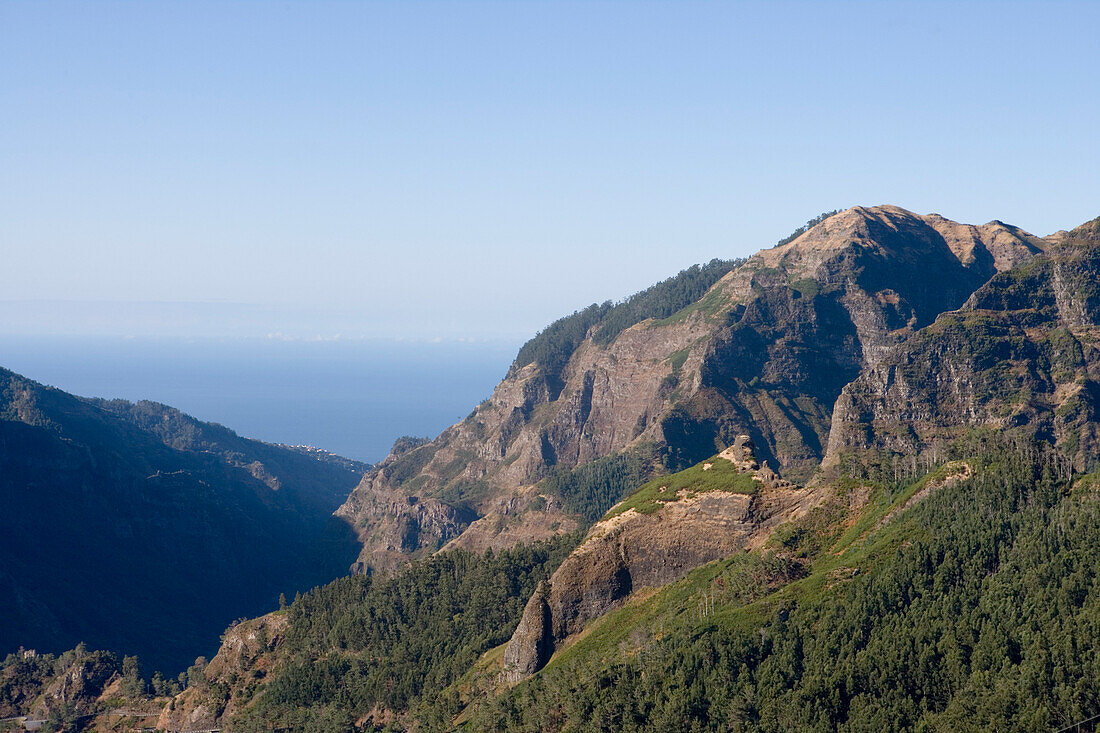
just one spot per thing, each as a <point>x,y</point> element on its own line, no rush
<point>245,656</point>
<point>633,550</point>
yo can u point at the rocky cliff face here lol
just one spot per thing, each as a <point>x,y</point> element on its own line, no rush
<point>86,680</point>
<point>1020,354</point>
<point>650,545</point>
<point>766,352</point>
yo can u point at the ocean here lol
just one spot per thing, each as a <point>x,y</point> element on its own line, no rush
<point>351,397</point>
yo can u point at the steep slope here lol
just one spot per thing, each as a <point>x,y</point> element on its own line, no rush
<point>1021,354</point>
<point>362,651</point>
<point>667,528</point>
<point>140,529</point>
<point>231,678</point>
<point>962,601</point>
<point>765,352</point>
<point>943,586</point>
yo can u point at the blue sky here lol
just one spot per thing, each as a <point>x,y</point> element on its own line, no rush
<point>477,169</point>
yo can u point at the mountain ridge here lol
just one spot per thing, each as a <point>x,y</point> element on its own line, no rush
<point>930,386</point>
<point>765,351</point>
<point>1023,355</point>
<point>205,525</point>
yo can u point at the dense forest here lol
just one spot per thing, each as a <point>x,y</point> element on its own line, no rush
<point>357,645</point>
<point>352,646</point>
<point>66,690</point>
<point>145,531</point>
<point>902,613</point>
<point>592,488</point>
<point>941,620</point>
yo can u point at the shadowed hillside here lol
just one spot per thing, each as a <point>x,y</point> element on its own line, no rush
<point>137,528</point>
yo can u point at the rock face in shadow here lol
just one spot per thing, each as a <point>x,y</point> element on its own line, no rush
<point>1022,354</point>
<point>400,524</point>
<point>632,550</point>
<point>532,643</point>
<point>817,312</point>
<point>766,352</point>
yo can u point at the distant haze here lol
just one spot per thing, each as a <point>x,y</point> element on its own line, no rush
<point>478,169</point>
<point>349,397</point>
<point>229,320</point>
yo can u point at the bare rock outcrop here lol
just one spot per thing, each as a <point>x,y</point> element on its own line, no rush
<point>633,550</point>
<point>1021,355</point>
<point>742,454</point>
<point>81,685</point>
<point>394,524</point>
<point>766,352</point>
<point>246,656</point>
<point>532,643</point>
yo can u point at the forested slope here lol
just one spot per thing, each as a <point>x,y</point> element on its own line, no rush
<point>138,529</point>
<point>975,609</point>
<point>961,597</point>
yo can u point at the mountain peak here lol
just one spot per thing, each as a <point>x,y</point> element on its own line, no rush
<point>889,227</point>
<point>1088,230</point>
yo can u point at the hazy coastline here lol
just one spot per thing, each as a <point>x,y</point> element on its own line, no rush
<point>351,397</point>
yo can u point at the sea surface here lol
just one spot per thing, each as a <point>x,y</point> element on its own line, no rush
<point>353,398</point>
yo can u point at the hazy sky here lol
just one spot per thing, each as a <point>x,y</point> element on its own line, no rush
<point>455,169</point>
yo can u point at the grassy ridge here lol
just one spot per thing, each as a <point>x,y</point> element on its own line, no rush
<point>975,609</point>
<point>715,474</point>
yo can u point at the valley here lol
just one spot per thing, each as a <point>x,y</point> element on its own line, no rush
<point>847,483</point>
